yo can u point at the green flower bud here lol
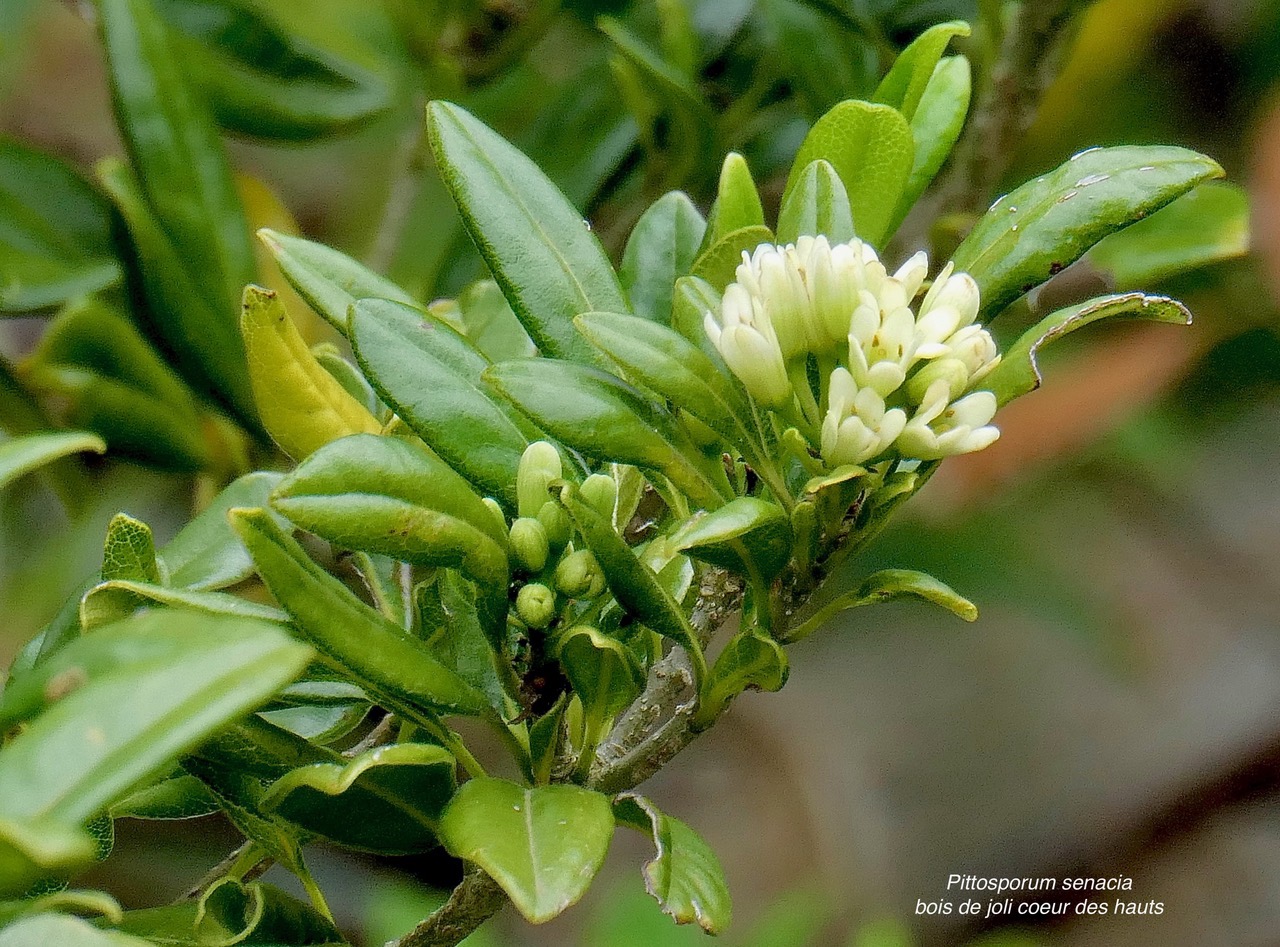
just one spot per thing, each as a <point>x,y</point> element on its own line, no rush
<point>529,546</point>
<point>600,493</point>
<point>539,465</point>
<point>536,605</point>
<point>496,509</point>
<point>556,522</point>
<point>579,575</point>
<point>953,370</point>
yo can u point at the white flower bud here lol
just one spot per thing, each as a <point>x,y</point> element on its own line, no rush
<point>746,340</point>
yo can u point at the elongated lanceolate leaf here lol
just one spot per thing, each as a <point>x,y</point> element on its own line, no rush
<point>904,85</point>
<point>936,127</point>
<point>25,454</point>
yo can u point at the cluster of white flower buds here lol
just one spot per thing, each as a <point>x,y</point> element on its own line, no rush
<point>894,380</point>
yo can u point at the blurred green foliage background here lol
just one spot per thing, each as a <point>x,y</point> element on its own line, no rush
<point>1116,710</point>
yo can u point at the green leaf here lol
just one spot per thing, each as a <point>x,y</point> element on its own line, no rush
<point>542,845</point>
<point>718,264</point>
<point>386,800</point>
<point>668,364</point>
<point>544,256</point>
<point>32,281</point>
<point>379,654</point>
<point>883,586</point>
<point>818,204</point>
<point>206,554</point>
<point>430,375</point>
<point>601,416</point>
<point>635,586</point>
<point>41,848</point>
<point>330,281</point>
<point>936,127</point>
<point>66,901</point>
<point>1049,222</point>
<point>737,204</point>
<point>114,600</point>
<point>130,552</point>
<point>1206,225</point>
<point>302,406</point>
<point>24,454</point>
<point>197,325</point>
<point>684,876</point>
<point>604,673</point>
<point>452,627</point>
<point>661,249</point>
<point>749,660</point>
<point>174,146</point>
<point>694,299</point>
<point>871,149</point>
<point>123,703</point>
<point>395,497</point>
<point>747,535</point>
<point>44,930</point>
<point>905,84</point>
<point>176,797</point>
<point>1019,373</point>
<point>271,72</point>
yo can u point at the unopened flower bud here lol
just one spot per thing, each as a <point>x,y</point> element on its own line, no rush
<point>579,575</point>
<point>953,370</point>
<point>600,493</point>
<point>529,546</point>
<point>536,605</point>
<point>539,465</point>
<point>495,508</point>
<point>556,523</point>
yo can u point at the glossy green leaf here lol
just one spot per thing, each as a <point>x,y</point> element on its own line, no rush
<point>40,848</point>
<point>818,204</point>
<point>46,930</point>
<point>181,796</point>
<point>454,632</point>
<point>544,256</point>
<point>386,800</point>
<point>196,324</point>
<point>1018,372</point>
<point>113,600</point>
<point>718,263</point>
<point>604,673</point>
<point>871,149</point>
<point>277,70</point>
<point>601,416</point>
<point>206,554</point>
<point>181,164</point>
<point>390,665</point>
<point>749,661</point>
<point>1049,222</point>
<point>737,203</point>
<point>936,126</point>
<point>302,406</point>
<point>130,552</point>
<point>904,85</point>
<point>123,703</point>
<point>393,496</point>
<point>430,375</point>
<point>694,299</point>
<point>1206,225</point>
<point>24,454</point>
<point>747,535</point>
<point>543,845</point>
<point>883,586</point>
<point>662,247</point>
<point>684,876</point>
<point>330,281</point>
<point>635,586</point>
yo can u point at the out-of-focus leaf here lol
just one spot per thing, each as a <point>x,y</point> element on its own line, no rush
<point>544,256</point>
<point>484,316</point>
<point>64,931</point>
<point>543,845</point>
<point>25,454</point>
<point>823,59</point>
<point>718,264</point>
<point>1205,225</point>
<point>277,70</point>
<point>329,280</point>
<point>88,903</point>
<point>601,416</point>
<point>206,554</point>
<point>904,85</point>
<point>818,204</point>
<point>40,848</point>
<point>392,496</point>
<point>1018,372</point>
<point>386,800</point>
<point>1049,222</point>
<point>661,249</point>
<point>176,797</point>
<point>870,147</point>
<point>302,406</point>
<point>936,126</point>
<point>684,876</point>
<point>399,349</point>
<point>123,703</point>
<point>747,534</point>
<point>390,665</point>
